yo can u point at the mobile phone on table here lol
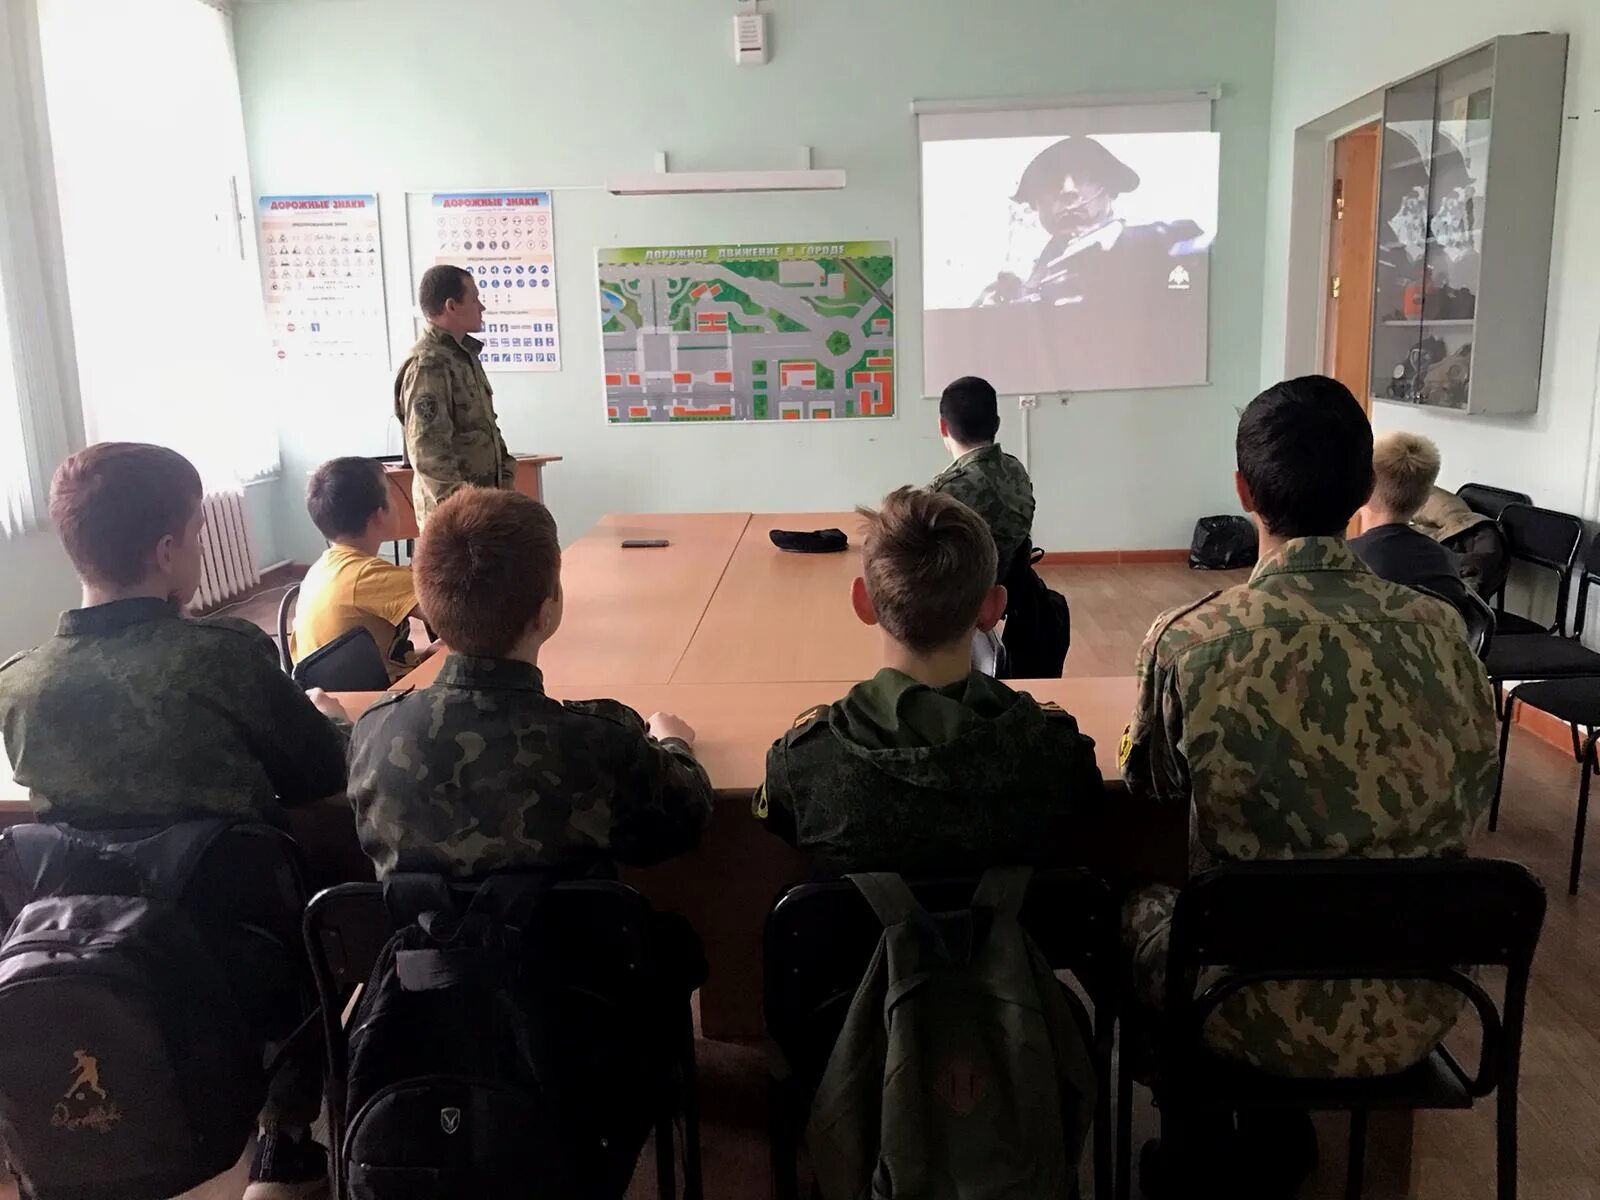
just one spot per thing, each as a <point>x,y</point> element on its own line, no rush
<point>644,543</point>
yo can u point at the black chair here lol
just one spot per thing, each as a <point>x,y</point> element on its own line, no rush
<point>596,932</point>
<point>1485,557</point>
<point>819,940</point>
<point>351,662</point>
<point>1475,611</point>
<point>1573,702</point>
<point>1548,541</point>
<point>1335,920</point>
<point>1490,501</point>
<point>1480,619</point>
<point>1546,655</point>
<point>285,607</point>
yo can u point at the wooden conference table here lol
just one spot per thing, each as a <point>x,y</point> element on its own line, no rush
<point>737,638</point>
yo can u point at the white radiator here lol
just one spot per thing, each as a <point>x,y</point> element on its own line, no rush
<point>227,560</point>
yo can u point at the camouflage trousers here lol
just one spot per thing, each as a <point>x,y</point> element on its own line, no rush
<point>1340,1029</point>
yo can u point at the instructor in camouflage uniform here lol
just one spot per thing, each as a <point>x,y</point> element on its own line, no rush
<point>1315,711</point>
<point>443,400</point>
<point>984,477</point>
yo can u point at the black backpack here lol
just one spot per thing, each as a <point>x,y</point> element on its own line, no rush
<point>452,1091</point>
<point>1222,544</point>
<point>1038,630</point>
<point>140,980</point>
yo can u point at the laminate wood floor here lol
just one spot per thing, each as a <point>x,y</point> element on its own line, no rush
<point>1113,607</point>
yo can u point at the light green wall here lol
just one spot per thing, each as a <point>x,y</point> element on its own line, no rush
<point>397,95</point>
<point>1332,54</point>
<point>39,583</point>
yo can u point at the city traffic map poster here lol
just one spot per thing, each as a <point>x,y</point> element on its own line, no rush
<point>791,332</point>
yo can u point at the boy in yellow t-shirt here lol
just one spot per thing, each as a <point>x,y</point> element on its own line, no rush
<point>348,499</point>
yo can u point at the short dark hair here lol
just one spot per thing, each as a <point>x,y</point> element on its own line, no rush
<point>487,561</point>
<point>971,410</point>
<point>439,284</point>
<point>929,561</point>
<point>344,493</point>
<point>1305,450</point>
<point>112,502</point>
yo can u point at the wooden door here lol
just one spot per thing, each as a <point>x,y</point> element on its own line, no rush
<point>1352,248</point>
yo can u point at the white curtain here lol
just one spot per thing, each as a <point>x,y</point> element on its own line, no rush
<point>148,139</point>
<point>40,420</point>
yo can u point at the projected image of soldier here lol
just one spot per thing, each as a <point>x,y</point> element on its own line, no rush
<point>1094,257</point>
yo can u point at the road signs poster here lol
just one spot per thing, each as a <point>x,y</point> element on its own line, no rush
<point>799,331</point>
<point>322,276</point>
<point>507,241</point>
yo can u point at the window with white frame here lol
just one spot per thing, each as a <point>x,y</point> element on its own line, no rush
<point>16,486</point>
<point>150,167</point>
<point>39,416</point>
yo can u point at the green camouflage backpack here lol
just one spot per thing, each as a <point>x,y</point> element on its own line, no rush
<point>960,1073</point>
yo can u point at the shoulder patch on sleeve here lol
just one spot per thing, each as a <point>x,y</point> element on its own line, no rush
<point>759,808</point>
<point>1054,712</point>
<point>1125,747</point>
<point>815,717</point>
<point>810,715</point>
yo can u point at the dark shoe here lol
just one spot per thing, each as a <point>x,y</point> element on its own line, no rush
<point>286,1167</point>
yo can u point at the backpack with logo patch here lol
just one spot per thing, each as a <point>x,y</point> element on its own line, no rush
<point>960,1071</point>
<point>451,1092</point>
<point>141,979</point>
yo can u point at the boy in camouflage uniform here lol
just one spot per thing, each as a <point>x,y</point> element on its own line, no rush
<point>443,400</point>
<point>929,767</point>
<point>985,478</point>
<point>1315,711</point>
<point>134,716</point>
<point>482,771</point>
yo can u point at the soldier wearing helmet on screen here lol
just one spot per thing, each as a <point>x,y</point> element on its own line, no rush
<point>1094,257</point>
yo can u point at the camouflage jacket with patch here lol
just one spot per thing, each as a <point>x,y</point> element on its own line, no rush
<point>899,776</point>
<point>996,486</point>
<point>443,401</point>
<point>1316,711</point>
<point>483,772</point>
<point>133,715</point>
